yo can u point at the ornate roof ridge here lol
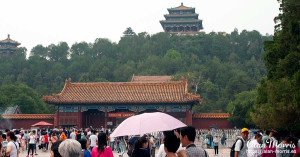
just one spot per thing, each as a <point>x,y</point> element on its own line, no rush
<point>8,40</point>
<point>194,14</point>
<point>28,116</point>
<point>181,7</point>
<point>212,115</point>
<point>126,83</point>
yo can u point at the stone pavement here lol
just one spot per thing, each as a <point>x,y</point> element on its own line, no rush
<point>224,152</point>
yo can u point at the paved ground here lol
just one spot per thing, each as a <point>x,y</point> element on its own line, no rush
<point>225,152</point>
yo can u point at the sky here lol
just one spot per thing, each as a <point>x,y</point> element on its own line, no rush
<point>33,22</point>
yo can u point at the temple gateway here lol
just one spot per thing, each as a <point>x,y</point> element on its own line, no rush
<point>107,104</point>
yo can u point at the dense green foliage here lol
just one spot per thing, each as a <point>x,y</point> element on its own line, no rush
<point>28,100</point>
<point>278,101</point>
<point>217,67</point>
<point>241,108</point>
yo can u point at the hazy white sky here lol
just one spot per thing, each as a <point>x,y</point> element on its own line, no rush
<point>33,22</point>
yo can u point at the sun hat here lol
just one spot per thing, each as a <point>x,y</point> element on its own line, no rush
<point>244,130</point>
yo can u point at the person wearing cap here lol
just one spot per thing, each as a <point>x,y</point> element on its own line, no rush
<point>239,150</point>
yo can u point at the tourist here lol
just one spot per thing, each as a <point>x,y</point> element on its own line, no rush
<point>161,150</point>
<point>73,135</point>
<point>54,149</point>
<point>26,139</point>
<point>254,146</point>
<point>122,145</point>
<point>131,144</point>
<point>42,142</point>
<point>78,136</point>
<point>35,142</point>
<point>38,134</point>
<point>102,150</point>
<point>268,150</point>
<point>241,145</point>
<point>216,145</point>
<point>171,145</point>
<point>31,143</point>
<point>22,142</point>
<point>17,134</point>
<point>112,142</point>
<point>84,147</point>
<point>274,136</point>
<point>12,147</point>
<point>187,138</point>
<point>140,148</point>
<point>117,141</point>
<point>153,145</point>
<point>265,136</point>
<point>93,140</point>
<point>53,138</point>
<point>63,136</point>
<point>70,148</point>
<point>284,149</point>
<point>46,140</point>
<point>223,139</point>
<point>84,135</point>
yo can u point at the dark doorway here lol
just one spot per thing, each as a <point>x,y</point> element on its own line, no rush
<point>94,118</point>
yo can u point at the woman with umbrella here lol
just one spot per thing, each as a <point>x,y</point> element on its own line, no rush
<point>140,148</point>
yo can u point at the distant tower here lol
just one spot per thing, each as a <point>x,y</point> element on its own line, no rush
<point>183,20</point>
<point>8,46</point>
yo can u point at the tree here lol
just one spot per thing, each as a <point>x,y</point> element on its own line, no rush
<point>22,95</point>
<point>278,101</point>
<point>128,32</point>
<point>40,51</point>
<point>240,109</point>
<point>58,52</point>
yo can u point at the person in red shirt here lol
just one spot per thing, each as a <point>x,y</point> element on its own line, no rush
<point>269,150</point>
<point>46,137</point>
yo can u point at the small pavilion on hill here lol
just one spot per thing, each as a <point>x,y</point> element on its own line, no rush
<point>8,46</point>
<point>182,20</point>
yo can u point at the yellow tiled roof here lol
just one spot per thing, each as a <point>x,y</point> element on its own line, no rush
<point>124,92</point>
<point>212,115</point>
<point>28,116</point>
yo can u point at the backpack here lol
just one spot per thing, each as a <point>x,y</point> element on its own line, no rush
<point>232,151</point>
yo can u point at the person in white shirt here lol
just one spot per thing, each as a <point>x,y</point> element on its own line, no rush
<point>239,150</point>
<point>73,135</point>
<point>31,143</point>
<point>161,150</point>
<point>255,146</point>
<point>216,144</point>
<point>93,140</point>
<point>112,142</point>
<point>12,146</point>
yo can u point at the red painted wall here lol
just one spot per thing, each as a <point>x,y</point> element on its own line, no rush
<point>200,123</point>
<point>21,123</point>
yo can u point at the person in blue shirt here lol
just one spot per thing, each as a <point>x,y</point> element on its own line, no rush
<point>84,146</point>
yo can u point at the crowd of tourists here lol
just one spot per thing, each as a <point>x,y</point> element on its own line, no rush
<point>267,144</point>
<point>176,143</point>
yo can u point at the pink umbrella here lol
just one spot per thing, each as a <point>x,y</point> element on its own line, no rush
<point>146,123</point>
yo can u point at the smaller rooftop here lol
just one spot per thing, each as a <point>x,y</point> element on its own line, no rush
<point>12,110</point>
<point>150,78</point>
<point>8,40</point>
<point>181,7</point>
